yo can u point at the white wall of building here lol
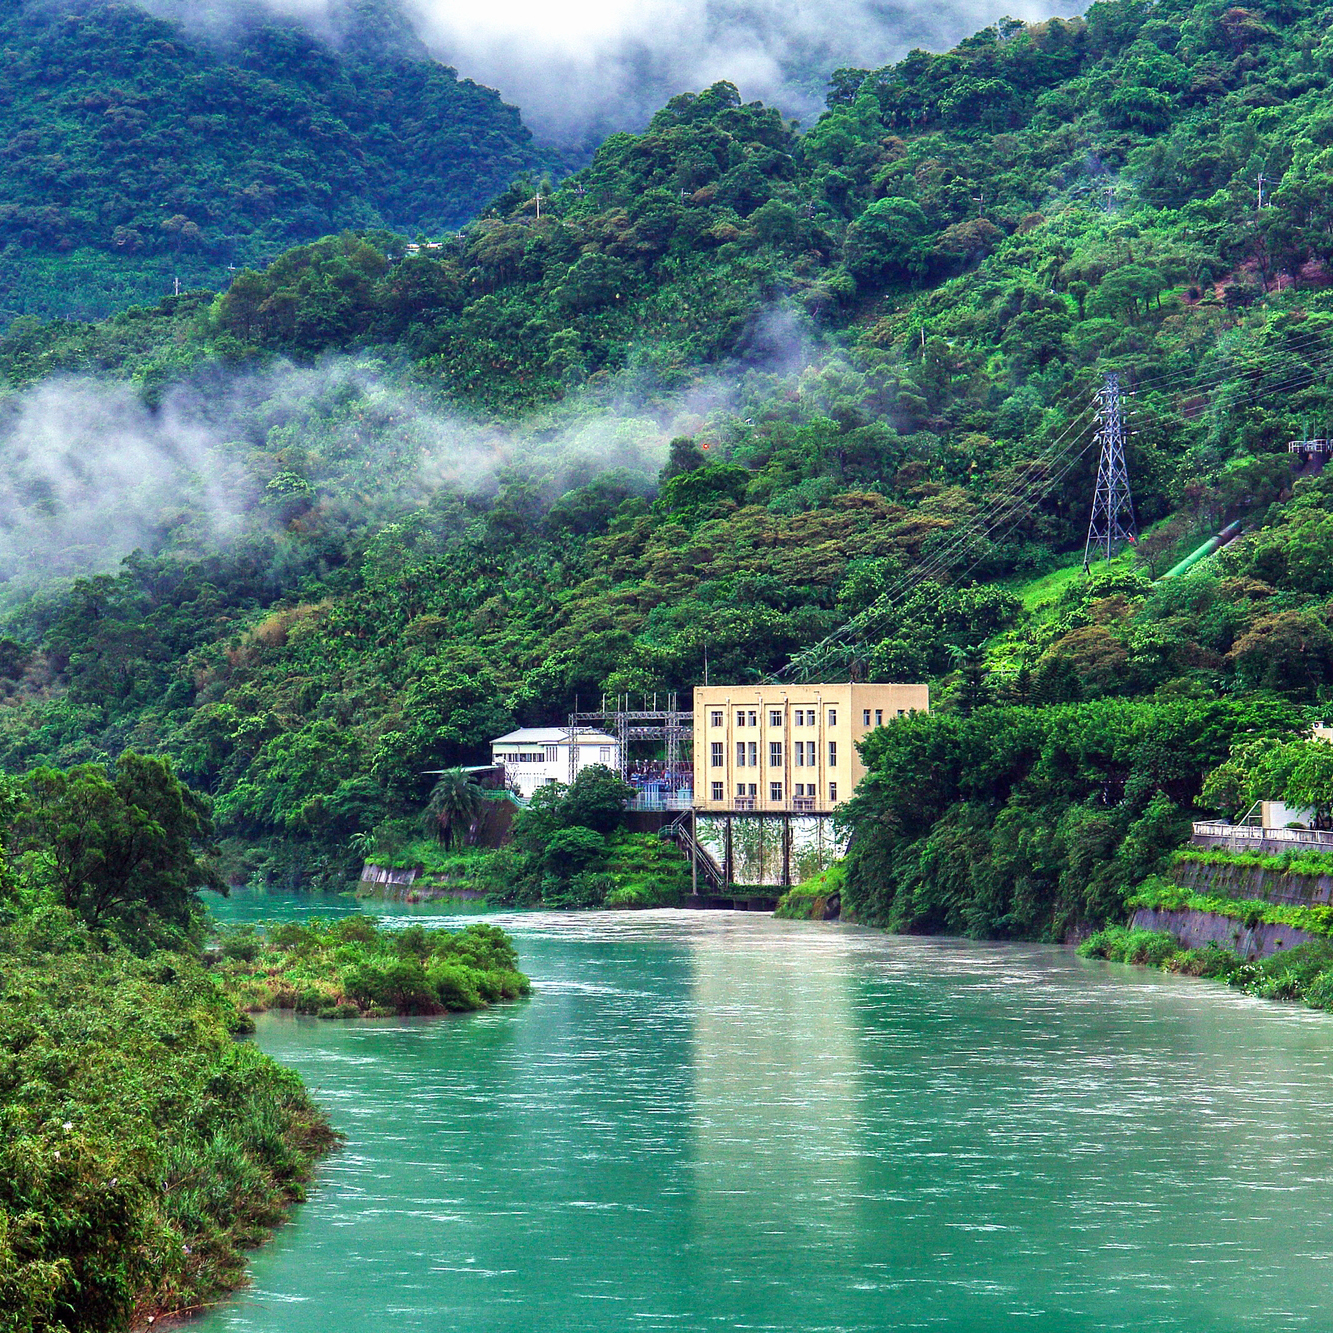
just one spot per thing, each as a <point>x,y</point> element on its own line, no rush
<point>535,756</point>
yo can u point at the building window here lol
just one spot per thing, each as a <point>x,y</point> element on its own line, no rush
<point>800,754</point>
<point>754,718</point>
<point>901,711</point>
<point>833,754</point>
<point>775,791</point>
<point>800,789</point>
<point>754,789</point>
<point>809,717</point>
<point>740,754</point>
<point>740,789</point>
<point>799,717</point>
<point>774,718</point>
<point>754,754</point>
<point>603,754</point>
<point>775,754</point>
<point>865,717</point>
<point>740,718</point>
<point>717,718</point>
<point>833,791</point>
<point>717,791</point>
<point>550,753</point>
<point>879,717</point>
<point>833,717</point>
<point>716,753</point>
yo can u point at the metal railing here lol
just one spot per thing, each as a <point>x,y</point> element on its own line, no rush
<point>743,802</point>
<point>675,800</point>
<point>1252,836</point>
<point>803,805</point>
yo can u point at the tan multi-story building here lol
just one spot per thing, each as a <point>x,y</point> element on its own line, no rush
<point>788,749</point>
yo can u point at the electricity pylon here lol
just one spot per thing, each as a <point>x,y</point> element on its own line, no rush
<point>1112,520</point>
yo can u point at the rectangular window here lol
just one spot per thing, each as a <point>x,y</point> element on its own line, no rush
<point>754,754</point>
<point>717,719</point>
<point>774,718</point>
<point>809,717</point>
<point>754,718</point>
<point>550,754</point>
<point>879,717</point>
<point>800,789</point>
<point>901,711</point>
<point>716,752</point>
<point>799,717</point>
<point>833,754</point>
<point>865,717</point>
<point>775,791</point>
<point>603,754</point>
<point>833,791</point>
<point>754,789</point>
<point>775,754</point>
<point>740,754</point>
<point>740,789</point>
<point>833,717</point>
<point>717,791</point>
<point>800,754</point>
<point>740,718</point>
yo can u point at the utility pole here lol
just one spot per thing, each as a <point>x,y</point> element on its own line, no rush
<point>1262,179</point>
<point>1112,518</point>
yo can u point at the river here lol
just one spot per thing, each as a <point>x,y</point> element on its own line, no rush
<point>715,1121</point>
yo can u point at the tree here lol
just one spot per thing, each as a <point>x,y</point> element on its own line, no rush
<point>455,801</point>
<point>885,242</point>
<point>127,853</point>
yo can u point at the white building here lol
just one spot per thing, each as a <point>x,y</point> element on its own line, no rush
<point>534,756</point>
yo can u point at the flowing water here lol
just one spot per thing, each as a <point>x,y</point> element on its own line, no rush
<point>713,1121</point>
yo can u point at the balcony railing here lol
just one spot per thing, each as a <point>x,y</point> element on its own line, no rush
<point>743,802</point>
<point>1252,837</point>
<point>803,805</point>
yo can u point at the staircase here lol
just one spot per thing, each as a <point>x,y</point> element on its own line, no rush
<point>708,871</point>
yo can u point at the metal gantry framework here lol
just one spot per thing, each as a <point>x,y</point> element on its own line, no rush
<point>1112,523</point>
<point>671,726</point>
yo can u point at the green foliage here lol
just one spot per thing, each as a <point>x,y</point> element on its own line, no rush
<point>273,137</point>
<point>1295,862</point>
<point>126,853</point>
<point>1025,821</point>
<point>142,1149</point>
<point>1118,944</point>
<point>814,899</point>
<point>1158,893</point>
<point>349,966</point>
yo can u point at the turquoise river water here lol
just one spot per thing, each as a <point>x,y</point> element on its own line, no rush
<point>714,1121</point>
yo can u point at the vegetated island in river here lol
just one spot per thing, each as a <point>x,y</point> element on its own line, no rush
<point>351,968</point>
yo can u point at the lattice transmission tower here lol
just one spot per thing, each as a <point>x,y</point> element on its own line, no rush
<point>1112,522</point>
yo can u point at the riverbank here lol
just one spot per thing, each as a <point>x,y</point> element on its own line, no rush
<point>352,968</point>
<point>143,1149</point>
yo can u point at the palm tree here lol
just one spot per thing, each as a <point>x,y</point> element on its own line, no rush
<point>454,803</point>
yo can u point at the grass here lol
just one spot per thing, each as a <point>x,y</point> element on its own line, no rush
<point>1160,894</point>
<point>1285,863</point>
<point>1303,974</point>
<point>810,900</point>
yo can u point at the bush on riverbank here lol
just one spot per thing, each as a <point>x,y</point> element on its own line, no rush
<point>816,899</point>
<point>351,967</point>
<point>1304,973</point>
<point>142,1149</point>
<point>1156,893</point>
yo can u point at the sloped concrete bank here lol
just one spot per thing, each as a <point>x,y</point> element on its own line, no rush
<point>1196,930</point>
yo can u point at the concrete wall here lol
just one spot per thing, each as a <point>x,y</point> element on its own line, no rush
<point>1195,930</point>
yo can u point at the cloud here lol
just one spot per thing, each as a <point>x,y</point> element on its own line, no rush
<point>90,472</point>
<point>579,69</point>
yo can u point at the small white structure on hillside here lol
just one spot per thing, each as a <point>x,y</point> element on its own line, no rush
<point>533,756</point>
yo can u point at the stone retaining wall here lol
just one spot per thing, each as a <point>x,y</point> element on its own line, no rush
<point>1195,930</point>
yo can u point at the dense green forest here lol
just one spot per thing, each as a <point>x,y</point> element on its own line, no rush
<point>138,152</point>
<point>729,387</point>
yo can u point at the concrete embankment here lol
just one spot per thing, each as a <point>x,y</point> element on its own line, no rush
<point>1196,930</point>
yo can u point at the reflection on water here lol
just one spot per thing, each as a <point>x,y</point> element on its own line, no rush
<point>716,1121</point>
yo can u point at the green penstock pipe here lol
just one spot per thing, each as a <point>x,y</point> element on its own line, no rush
<point>1203,552</point>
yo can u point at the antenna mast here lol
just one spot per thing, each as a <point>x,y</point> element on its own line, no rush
<point>1112,520</point>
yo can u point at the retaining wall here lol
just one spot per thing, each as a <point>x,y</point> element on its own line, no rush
<point>1195,930</point>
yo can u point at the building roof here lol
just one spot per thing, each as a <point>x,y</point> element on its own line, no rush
<point>552,736</point>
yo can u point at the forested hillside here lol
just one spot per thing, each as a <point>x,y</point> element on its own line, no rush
<point>734,386</point>
<point>137,153</point>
